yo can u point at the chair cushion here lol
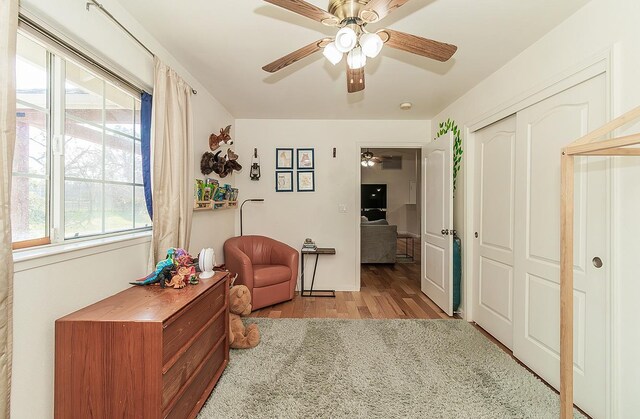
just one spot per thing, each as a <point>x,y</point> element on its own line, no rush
<point>265,275</point>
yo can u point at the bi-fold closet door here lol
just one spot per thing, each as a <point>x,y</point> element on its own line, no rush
<point>517,252</point>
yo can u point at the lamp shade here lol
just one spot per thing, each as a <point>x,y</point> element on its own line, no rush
<point>346,39</point>
<point>371,44</point>
<point>332,54</point>
<point>356,58</point>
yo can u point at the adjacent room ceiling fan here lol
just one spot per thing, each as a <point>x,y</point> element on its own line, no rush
<point>352,16</point>
<point>368,159</point>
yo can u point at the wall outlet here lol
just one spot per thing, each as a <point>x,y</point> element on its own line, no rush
<point>342,208</point>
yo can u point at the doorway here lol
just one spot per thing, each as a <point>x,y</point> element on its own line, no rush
<point>389,225</point>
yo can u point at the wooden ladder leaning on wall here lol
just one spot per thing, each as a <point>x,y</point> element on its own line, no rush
<point>585,146</point>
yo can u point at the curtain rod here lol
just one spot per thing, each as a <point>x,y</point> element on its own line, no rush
<point>69,48</point>
<point>121,26</point>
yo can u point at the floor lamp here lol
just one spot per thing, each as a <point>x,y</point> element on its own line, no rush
<point>242,205</point>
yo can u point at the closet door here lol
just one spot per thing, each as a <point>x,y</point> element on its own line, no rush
<point>542,130</point>
<point>494,229</point>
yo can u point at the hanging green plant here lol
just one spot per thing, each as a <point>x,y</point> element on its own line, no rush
<point>443,129</point>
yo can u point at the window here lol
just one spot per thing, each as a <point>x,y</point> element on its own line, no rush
<point>31,161</point>
<point>78,163</point>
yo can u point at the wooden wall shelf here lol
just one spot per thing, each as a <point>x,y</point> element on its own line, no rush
<point>214,205</point>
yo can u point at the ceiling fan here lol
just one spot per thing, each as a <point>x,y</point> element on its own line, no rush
<point>368,159</point>
<point>352,17</point>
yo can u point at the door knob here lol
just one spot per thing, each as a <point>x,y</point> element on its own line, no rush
<point>597,262</point>
<point>445,232</point>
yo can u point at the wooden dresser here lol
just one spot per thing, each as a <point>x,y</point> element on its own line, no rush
<point>145,352</point>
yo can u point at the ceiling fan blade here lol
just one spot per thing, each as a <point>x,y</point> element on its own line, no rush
<point>375,10</point>
<point>417,45</point>
<point>307,10</point>
<point>355,80</point>
<point>297,55</point>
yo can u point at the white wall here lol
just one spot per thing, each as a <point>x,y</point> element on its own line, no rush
<point>291,217</point>
<point>599,26</point>
<point>52,287</point>
<point>399,212</point>
<point>45,293</point>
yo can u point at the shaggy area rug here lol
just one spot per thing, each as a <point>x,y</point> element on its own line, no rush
<point>327,368</point>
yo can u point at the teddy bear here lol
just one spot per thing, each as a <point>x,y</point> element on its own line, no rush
<point>240,305</point>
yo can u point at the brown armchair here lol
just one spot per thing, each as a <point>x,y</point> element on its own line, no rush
<point>267,267</point>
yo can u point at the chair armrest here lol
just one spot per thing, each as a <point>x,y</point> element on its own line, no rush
<point>281,254</point>
<point>237,262</point>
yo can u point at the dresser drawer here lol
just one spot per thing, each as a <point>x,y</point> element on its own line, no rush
<point>195,392</point>
<point>187,322</point>
<point>179,373</point>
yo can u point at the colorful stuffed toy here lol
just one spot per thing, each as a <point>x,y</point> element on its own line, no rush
<point>240,305</point>
<point>174,271</point>
<point>162,272</point>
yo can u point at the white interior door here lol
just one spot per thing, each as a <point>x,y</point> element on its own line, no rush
<point>437,237</point>
<point>542,130</point>
<point>494,213</point>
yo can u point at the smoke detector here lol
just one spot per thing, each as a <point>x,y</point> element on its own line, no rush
<point>405,106</point>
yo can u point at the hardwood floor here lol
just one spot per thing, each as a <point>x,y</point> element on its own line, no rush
<point>387,292</point>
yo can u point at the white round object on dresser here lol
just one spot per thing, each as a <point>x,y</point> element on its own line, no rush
<point>206,261</point>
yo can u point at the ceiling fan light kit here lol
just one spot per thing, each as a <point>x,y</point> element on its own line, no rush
<point>371,44</point>
<point>367,159</point>
<point>356,58</point>
<point>332,54</point>
<point>351,16</point>
<point>346,39</point>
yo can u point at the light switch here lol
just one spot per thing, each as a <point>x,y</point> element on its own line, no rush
<point>342,208</point>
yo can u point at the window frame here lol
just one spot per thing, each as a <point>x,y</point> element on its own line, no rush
<point>58,54</point>
<point>48,111</point>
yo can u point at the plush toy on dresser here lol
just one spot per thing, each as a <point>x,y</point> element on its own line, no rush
<point>240,305</point>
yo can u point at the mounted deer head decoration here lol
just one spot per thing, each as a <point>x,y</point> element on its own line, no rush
<point>220,165</point>
<point>223,138</point>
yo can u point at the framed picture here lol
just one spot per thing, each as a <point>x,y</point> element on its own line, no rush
<point>284,158</point>
<point>284,181</point>
<point>305,159</point>
<point>306,181</point>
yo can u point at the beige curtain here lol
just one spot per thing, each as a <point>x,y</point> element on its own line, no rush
<point>172,162</point>
<point>8,31</point>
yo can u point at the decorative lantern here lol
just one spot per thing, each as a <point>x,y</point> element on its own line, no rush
<point>254,174</point>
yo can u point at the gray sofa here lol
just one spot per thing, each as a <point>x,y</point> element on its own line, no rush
<point>378,242</point>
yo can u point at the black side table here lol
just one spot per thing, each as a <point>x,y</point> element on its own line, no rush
<point>311,292</point>
<point>407,238</point>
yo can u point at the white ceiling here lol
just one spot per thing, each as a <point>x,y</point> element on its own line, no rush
<point>225,44</point>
